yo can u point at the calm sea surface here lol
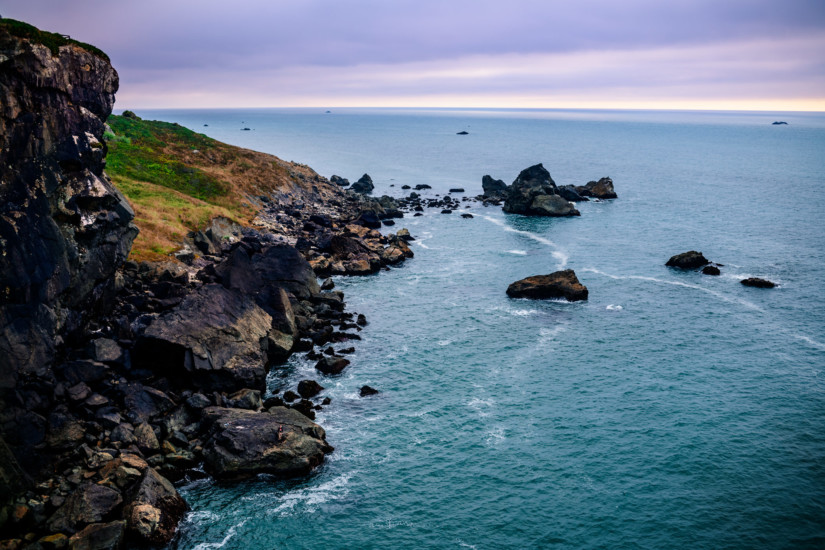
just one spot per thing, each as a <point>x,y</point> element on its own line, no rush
<point>671,410</point>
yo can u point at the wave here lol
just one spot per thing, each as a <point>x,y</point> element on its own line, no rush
<point>558,253</point>
<point>309,498</point>
<point>613,307</point>
<point>517,252</point>
<point>214,545</point>
<point>715,293</point>
<point>809,340</point>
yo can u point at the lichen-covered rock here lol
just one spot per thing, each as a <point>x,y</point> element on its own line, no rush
<point>561,284</point>
<point>243,443</point>
<point>64,229</point>
<point>154,510</point>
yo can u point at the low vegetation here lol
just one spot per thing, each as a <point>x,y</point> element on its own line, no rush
<point>51,40</point>
<point>177,180</point>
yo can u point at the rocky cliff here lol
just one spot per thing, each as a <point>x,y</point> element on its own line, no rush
<point>64,229</point>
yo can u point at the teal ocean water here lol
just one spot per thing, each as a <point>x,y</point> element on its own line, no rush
<point>671,410</point>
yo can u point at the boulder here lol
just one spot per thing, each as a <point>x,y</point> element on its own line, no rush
<point>89,503</point>
<point>330,364</point>
<point>569,192</point>
<point>309,388</point>
<point>602,189</point>
<point>711,270</point>
<point>364,185</point>
<point>243,443</point>
<point>338,180</point>
<point>368,218</point>
<point>561,284</point>
<point>217,339</point>
<point>262,273</point>
<point>493,188</point>
<point>552,205</point>
<point>534,193</point>
<point>367,390</point>
<point>154,510</point>
<point>99,536</point>
<point>688,260</point>
<point>246,399</point>
<point>758,283</point>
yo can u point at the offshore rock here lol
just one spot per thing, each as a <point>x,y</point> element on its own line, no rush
<point>602,189</point>
<point>531,192</point>
<point>569,192</point>
<point>561,284</point>
<point>688,260</point>
<point>758,283</point>
<point>244,443</point>
<point>64,229</point>
<point>364,185</point>
<point>493,188</point>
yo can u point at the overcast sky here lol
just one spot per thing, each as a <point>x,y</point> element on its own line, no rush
<point>728,54</point>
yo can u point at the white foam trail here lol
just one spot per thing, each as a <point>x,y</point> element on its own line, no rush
<point>612,307</point>
<point>719,295</point>
<point>811,341</point>
<point>333,489</point>
<point>518,252</point>
<point>214,545</point>
<point>558,254</point>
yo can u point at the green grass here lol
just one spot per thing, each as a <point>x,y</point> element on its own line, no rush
<point>51,40</point>
<point>140,150</point>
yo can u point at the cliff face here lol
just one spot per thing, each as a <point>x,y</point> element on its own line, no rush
<point>64,229</point>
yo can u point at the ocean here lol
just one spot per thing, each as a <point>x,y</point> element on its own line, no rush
<point>670,410</point>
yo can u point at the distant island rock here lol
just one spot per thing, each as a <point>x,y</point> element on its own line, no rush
<point>561,284</point>
<point>688,260</point>
<point>758,283</point>
<point>246,129</point>
<point>462,133</point>
<point>780,123</point>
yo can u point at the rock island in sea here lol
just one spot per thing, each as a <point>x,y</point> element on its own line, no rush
<point>141,310</point>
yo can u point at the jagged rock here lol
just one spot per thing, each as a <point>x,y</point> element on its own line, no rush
<point>602,189</point>
<point>493,188</point>
<point>363,186</point>
<point>367,390</point>
<point>569,192</point>
<point>64,229</point>
<point>534,193</point>
<point>218,338</point>
<point>331,364</point>
<point>99,536</point>
<point>338,180</point>
<point>290,396</point>
<point>309,388</point>
<point>243,443</point>
<point>561,284</point>
<point>154,510</point>
<point>688,260</point>
<point>89,503</point>
<point>758,283</point>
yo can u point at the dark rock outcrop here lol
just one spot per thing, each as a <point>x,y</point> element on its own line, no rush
<point>711,270</point>
<point>758,283</point>
<point>338,180</point>
<point>602,189</point>
<point>244,443</point>
<point>534,193</point>
<point>561,284</point>
<point>493,188</point>
<point>155,509</point>
<point>64,229</point>
<point>89,503</point>
<point>309,388</point>
<point>364,185</point>
<point>688,260</point>
<point>367,390</point>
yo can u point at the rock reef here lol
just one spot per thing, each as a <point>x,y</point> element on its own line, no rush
<point>560,284</point>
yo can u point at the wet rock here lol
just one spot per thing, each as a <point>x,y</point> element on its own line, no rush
<point>367,390</point>
<point>331,364</point>
<point>309,388</point>
<point>688,260</point>
<point>290,396</point>
<point>243,443</point>
<point>561,284</point>
<point>328,284</point>
<point>364,185</point>
<point>569,193</point>
<point>422,186</point>
<point>758,283</point>
<point>493,188</point>
<point>711,270</point>
<point>89,503</point>
<point>602,189</point>
<point>467,216</point>
<point>361,320</point>
<point>154,510</point>
<point>99,536</point>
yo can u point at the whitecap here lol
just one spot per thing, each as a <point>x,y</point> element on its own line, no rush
<point>518,252</point>
<point>309,498</point>
<point>613,307</point>
<point>524,312</point>
<point>214,545</point>
<point>444,342</point>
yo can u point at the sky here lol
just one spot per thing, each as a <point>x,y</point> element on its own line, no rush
<point>632,54</point>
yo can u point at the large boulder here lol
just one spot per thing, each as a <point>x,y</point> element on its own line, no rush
<point>217,339</point>
<point>262,273</point>
<point>758,283</point>
<point>155,509</point>
<point>688,260</point>
<point>64,228</point>
<point>99,536</point>
<point>493,189</point>
<point>561,284</point>
<point>364,185</point>
<point>243,443</point>
<point>602,189</point>
<point>531,192</point>
<point>89,503</point>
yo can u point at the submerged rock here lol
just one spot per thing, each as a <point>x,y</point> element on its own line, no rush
<point>688,260</point>
<point>758,283</point>
<point>561,284</point>
<point>244,443</point>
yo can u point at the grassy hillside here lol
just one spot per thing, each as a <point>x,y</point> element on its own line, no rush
<point>177,180</point>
